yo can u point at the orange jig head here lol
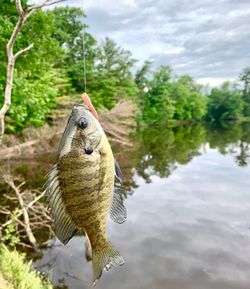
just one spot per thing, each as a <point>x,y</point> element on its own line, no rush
<point>87,101</point>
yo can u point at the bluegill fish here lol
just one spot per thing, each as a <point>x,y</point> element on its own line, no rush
<point>81,188</point>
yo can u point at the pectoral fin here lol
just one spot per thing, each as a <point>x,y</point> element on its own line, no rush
<point>63,225</point>
<point>118,172</point>
<point>118,212</point>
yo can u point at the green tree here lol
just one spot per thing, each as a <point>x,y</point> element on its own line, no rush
<point>112,77</point>
<point>36,77</point>
<point>108,66</point>
<point>158,106</point>
<point>225,103</point>
<point>69,33</point>
<point>189,102</point>
<point>142,78</point>
<point>245,78</point>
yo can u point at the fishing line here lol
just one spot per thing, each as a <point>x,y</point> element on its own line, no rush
<point>84,50</point>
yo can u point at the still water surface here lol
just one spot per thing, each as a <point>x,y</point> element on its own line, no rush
<point>188,203</point>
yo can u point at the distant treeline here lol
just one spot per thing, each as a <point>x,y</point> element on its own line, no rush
<point>54,67</point>
<point>163,97</point>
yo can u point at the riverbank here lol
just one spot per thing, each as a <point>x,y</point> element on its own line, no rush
<point>118,123</point>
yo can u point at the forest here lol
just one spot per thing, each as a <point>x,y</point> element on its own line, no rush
<point>54,67</point>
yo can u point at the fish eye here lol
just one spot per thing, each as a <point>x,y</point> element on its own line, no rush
<point>83,123</point>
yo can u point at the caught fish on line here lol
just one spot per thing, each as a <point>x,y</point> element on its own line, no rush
<point>81,187</point>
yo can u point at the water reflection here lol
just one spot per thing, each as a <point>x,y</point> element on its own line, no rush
<point>156,151</point>
<point>188,217</point>
<point>233,139</point>
<point>159,150</point>
<point>162,148</point>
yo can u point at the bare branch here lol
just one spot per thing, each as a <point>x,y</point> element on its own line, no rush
<point>27,214</point>
<point>26,223</point>
<point>19,7</point>
<point>44,4</point>
<point>29,206</point>
<point>4,212</point>
<point>21,52</point>
<point>36,200</point>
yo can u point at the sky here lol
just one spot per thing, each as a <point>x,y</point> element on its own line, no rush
<point>207,39</point>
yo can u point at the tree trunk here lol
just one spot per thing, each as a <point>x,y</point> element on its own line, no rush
<point>23,16</point>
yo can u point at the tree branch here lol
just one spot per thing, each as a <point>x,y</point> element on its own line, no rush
<point>24,14</point>
<point>26,223</point>
<point>44,4</point>
<point>21,52</point>
<point>19,7</point>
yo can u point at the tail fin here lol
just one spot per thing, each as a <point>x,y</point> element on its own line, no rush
<point>105,258</point>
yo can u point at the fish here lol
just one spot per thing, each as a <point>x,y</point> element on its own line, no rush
<point>83,187</point>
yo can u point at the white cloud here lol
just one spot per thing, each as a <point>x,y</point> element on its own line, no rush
<point>207,39</point>
<point>214,81</point>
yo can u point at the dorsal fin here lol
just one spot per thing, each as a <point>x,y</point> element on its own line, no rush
<point>63,225</point>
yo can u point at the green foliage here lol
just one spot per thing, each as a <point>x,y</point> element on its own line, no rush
<point>55,66</point>
<point>158,105</point>
<point>18,272</point>
<point>245,78</point>
<point>107,65</point>
<point>69,33</point>
<point>112,78</point>
<point>9,237</point>
<point>36,84</point>
<point>168,98</point>
<point>225,103</point>
<point>31,101</point>
<point>189,102</point>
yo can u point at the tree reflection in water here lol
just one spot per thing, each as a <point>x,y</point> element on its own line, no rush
<point>157,151</point>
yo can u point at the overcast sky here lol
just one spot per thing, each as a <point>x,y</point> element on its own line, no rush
<point>208,39</point>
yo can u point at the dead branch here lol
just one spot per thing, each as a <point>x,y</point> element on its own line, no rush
<point>26,223</point>
<point>31,215</point>
<point>17,149</point>
<point>44,4</point>
<point>24,14</point>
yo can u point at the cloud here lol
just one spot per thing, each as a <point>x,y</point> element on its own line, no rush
<point>210,40</point>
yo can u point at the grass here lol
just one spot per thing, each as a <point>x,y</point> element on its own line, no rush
<point>17,273</point>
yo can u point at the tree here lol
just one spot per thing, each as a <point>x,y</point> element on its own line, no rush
<point>69,33</point>
<point>245,78</point>
<point>112,78</point>
<point>225,103</point>
<point>158,106</point>
<point>189,102</point>
<point>12,56</point>
<point>142,78</point>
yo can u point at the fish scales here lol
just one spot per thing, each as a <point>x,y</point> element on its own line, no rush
<point>83,181</point>
<point>82,202</point>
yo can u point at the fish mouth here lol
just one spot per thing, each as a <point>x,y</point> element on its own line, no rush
<point>88,151</point>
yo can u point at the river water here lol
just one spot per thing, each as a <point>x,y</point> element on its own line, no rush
<point>188,201</point>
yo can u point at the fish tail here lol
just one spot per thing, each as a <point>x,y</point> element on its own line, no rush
<point>105,258</point>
